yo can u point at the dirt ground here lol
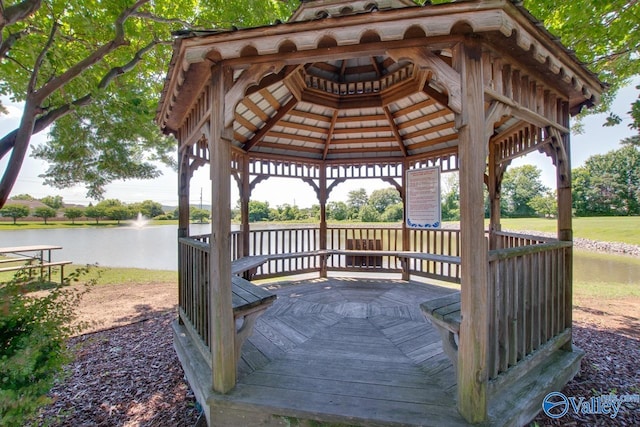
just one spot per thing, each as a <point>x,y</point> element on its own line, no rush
<point>109,306</point>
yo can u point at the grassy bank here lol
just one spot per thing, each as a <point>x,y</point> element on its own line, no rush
<point>609,229</point>
<point>7,225</point>
<point>112,275</point>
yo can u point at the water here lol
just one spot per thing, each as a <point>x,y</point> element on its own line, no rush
<point>155,247</point>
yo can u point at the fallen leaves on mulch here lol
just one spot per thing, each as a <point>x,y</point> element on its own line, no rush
<point>611,366</point>
<point>131,376</point>
<point>124,376</point>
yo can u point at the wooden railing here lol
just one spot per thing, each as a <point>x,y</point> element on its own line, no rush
<point>527,277</point>
<point>193,290</point>
<point>528,285</point>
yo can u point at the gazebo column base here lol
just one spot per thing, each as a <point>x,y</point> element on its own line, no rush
<point>517,403</point>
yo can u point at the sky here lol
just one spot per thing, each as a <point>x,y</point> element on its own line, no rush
<point>596,139</point>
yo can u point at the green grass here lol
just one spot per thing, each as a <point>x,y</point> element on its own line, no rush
<point>625,229</point>
<point>112,275</point>
<point>37,225</point>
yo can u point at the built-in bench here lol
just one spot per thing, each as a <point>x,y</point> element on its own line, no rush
<point>246,266</point>
<point>249,302</point>
<point>41,266</point>
<point>444,314</point>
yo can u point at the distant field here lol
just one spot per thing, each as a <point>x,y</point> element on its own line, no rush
<point>625,229</point>
<point>7,224</point>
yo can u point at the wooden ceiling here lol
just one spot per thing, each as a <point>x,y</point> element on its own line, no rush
<point>371,79</point>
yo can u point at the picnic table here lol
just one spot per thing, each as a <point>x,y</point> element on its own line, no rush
<point>35,257</point>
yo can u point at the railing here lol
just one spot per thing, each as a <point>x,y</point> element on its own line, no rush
<point>193,290</point>
<point>527,285</point>
<point>280,241</point>
<point>527,277</point>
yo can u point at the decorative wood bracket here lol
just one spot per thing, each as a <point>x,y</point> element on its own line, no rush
<point>444,74</point>
<point>250,76</point>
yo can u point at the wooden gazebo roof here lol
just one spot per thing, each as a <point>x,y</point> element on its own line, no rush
<point>343,82</point>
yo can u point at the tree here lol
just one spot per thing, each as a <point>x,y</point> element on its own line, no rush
<point>545,205</point>
<point>519,186</point>
<point>44,212</point>
<point>54,202</point>
<point>199,215</point>
<point>368,214</point>
<point>95,212</point>
<point>73,214</point>
<point>393,213</point>
<point>605,35</point>
<point>356,199</point>
<point>25,197</point>
<point>118,213</point>
<point>381,199</point>
<point>337,210</point>
<point>608,184</point>
<point>148,208</point>
<point>15,211</point>
<point>93,72</point>
<point>450,198</point>
<point>258,211</point>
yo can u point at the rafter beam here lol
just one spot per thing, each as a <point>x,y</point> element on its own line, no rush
<point>332,128</point>
<point>444,74</point>
<point>394,129</point>
<point>270,124</point>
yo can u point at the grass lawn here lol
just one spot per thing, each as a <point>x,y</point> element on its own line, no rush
<point>111,275</point>
<point>625,229</point>
<point>35,225</point>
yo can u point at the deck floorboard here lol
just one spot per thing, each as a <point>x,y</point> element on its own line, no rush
<point>357,352</point>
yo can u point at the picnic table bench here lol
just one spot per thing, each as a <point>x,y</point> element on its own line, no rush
<point>444,314</point>
<point>34,258</point>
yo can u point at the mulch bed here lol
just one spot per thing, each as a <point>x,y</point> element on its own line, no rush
<point>130,376</point>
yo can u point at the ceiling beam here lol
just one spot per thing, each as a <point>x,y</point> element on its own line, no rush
<point>330,134</point>
<point>395,131</point>
<point>270,124</point>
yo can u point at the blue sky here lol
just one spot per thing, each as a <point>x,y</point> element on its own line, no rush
<point>596,139</point>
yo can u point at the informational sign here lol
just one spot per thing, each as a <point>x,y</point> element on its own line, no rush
<point>423,198</point>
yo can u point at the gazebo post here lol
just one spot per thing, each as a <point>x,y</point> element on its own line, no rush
<point>184,178</point>
<point>474,329</point>
<point>406,240</point>
<point>245,198</point>
<point>565,227</point>
<point>222,324</point>
<point>322,196</point>
<point>494,184</point>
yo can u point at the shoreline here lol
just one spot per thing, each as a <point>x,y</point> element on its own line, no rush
<point>613,248</point>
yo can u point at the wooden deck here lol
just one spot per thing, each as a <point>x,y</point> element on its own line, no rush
<point>345,351</point>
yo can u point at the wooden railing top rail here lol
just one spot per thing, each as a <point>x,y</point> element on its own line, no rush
<point>191,241</point>
<point>525,236</point>
<point>498,254</point>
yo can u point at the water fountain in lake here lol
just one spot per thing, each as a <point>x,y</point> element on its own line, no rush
<point>140,221</point>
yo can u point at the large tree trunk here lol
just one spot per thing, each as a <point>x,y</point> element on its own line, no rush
<point>20,146</point>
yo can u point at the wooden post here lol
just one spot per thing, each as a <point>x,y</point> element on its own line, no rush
<point>322,196</point>
<point>184,178</point>
<point>245,198</point>
<point>474,329</point>
<point>221,316</point>
<point>494,197</point>
<point>565,230</point>
<point>406,241</point>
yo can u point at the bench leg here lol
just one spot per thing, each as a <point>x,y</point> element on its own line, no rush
<point>449,345</point>
<point>245,331</point>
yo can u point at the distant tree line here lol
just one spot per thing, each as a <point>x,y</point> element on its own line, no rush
<point>384,205</point>
<point>607,184</point>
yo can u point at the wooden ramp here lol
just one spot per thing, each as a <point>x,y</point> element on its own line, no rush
<point>343,351</point>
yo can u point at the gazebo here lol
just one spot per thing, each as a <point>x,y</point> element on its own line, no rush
<point>376,89</point>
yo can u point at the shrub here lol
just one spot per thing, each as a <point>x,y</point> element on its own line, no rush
<point>33,335</point>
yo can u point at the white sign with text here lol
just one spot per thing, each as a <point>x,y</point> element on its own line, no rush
<point>423,198</point>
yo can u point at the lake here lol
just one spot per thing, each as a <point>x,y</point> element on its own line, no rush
<point>155,247</point>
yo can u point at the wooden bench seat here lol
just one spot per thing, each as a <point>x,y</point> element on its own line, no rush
<point>36,266</point>
<point>249,302</point>
<point>444,314</point>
